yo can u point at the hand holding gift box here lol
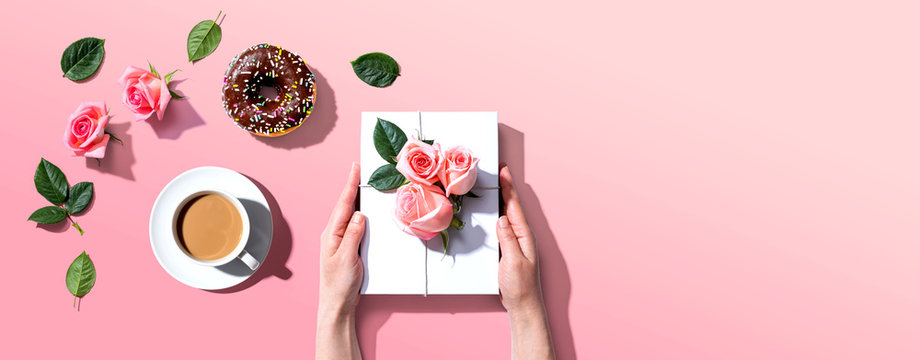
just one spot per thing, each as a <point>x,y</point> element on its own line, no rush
<point>444,174</point>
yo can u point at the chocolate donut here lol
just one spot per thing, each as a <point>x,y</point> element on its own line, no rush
<point>268,65</point>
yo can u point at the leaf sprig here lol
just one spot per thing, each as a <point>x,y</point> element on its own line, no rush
<point>389,139</point>
<point>52,184</point>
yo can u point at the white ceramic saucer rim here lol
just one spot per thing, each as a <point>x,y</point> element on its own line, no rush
<point>231,280</point>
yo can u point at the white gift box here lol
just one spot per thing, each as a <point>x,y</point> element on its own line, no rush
<point>399,263</point>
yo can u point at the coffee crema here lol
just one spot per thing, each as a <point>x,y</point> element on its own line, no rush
<point>209,227</point>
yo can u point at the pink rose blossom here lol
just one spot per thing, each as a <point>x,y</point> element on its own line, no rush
<point>85,134</point>
<point>420,162</point>
<point>144,93</point>
<point>459,173</point>
<point>422,211</point>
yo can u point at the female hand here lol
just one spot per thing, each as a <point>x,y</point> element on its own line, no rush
<point>519,279</point>
<point>340,277</point>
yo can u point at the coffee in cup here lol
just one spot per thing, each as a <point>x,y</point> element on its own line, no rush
<point>211,227</point>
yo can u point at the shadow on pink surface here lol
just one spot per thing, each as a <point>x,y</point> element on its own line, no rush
<point>180,117</point>
<point>316,127</point>
<point>58,227</point>
<point>275,263</point>
<point>375,310</point>
<point>119,157</point>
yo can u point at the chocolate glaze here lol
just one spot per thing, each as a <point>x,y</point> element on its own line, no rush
<point>268,65</point>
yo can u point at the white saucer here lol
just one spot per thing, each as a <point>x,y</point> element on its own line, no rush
<point>174,261</point>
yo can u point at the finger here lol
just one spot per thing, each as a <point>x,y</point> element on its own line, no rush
<point>515,214</point>
<point>354,233</point>
<point>338,221</point>
<point>507,241</point>
<point>345,205</point>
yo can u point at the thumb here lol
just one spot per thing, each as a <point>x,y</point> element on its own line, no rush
<point>354,233</point>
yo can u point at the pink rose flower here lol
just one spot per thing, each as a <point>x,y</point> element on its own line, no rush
<point>420,162</point>
<point>85,134</point>
<point>144,93</point>
<point>422,211</point>
<point>459,173</point>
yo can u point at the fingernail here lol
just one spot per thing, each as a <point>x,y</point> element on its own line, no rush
<point>357,217</point>
<point>503,222</point>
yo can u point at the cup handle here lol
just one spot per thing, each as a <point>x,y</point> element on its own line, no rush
<point>249,260</point>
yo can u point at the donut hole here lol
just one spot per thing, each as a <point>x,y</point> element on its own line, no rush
<point>269,91</point>
<point>264,88</point>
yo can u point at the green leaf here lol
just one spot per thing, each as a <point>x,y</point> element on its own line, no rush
<point>113,138</point>
<point>456,223</point>
<point>175,95</point>
<point>203,39</point>
<point>81,276</point>
<point>429,142</point>
<point>388,139</point>
<point>386,178</point>
<point>51,182</point>
<point>168,77</point>
<point>153,69</point>
<point>471,194</point>
<point>80,196</point>
<point>48,215</point>
<point>82,58</point>
<point>445,240</point>
<point>376,69</point>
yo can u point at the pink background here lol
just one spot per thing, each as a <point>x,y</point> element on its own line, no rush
<point>706,180</point>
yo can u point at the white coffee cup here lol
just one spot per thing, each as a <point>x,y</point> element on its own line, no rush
<point>239,252</point>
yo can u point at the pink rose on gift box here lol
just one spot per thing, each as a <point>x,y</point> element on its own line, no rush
<point>422,210</point>
<point>459,173</point>
<point>144,93</point>
<point>85,134</point>
<point>420,162</point>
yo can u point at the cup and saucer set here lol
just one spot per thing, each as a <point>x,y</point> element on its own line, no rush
<point>211,228</point>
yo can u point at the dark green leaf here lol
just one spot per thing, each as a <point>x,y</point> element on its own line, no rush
<point>48,215</point>
<point>388,139</point>
<point>203,40</point>
<point>386,178</point>
<point>82,58</point>
<point>80,196</point>
<point>51,182</point>
<point>175,95</point>
<point>429,142</point>
<point>81,276</point>
<point>113,137</point>
<point>376,69</point>
<point>471,194</point>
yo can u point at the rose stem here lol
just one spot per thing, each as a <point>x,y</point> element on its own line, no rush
<point>77,226</point>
